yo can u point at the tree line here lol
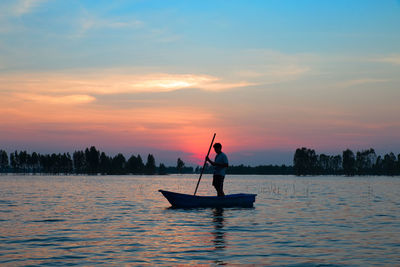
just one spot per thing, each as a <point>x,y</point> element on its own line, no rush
<point>365,162</point>
<point>88,161</point>
<point>92,161</point>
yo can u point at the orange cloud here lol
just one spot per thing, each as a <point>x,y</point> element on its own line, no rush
<point>64,100</point>
<point>111,83</point>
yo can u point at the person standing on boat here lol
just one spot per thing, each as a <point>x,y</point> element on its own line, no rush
<point>220,164</point>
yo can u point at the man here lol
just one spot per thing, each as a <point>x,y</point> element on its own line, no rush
<point>220,164</point>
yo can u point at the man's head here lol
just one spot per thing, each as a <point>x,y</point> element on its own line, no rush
<point>217,148</point>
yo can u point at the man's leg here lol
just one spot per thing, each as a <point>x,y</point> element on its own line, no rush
<point>220,190</point>
<point>219,185</point>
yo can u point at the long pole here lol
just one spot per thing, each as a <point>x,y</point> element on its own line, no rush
<point>204,166</point>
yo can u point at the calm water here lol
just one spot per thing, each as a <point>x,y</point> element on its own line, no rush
<point>124,220</point>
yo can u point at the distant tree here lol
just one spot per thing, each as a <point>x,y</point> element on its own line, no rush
<point>389,164</point>
<point>364,161</point>
<point>66,163</point>
<point>42,163</point>
<point>140,164</point>
<point>28,163</point>
<point>22,161</point>
<point>79,162</point>
<point>14,161</point>
<point>92,156</point>
<point>104,164</point>
<point>131,165</point>
<point>55,163</point>
<point>305,161</point>
<point>324,166</point>
<point>349,162</point>
<point>3,161</point>
<point>336,162</point>
<point>398,165</point>
<point>135,165</point>
<point>261,169</point>
<point>162,170</point>
<point>118,164</point>
<point>300,161</point>
<point>197,170</point>
<point>35,162</point>
<point>179,165</point>
<point>150,167</point>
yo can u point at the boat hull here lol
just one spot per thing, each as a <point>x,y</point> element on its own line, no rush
<point>178,200</point>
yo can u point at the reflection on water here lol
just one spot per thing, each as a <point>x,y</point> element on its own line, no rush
<point>219,234</point>
<point>124,220</point>
<point>218,220</point>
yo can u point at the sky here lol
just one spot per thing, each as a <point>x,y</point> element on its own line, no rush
<point>161,77</point>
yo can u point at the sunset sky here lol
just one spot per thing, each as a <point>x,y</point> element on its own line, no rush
<point>162,76</point>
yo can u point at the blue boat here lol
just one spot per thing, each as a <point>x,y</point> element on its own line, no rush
<point>178,200</point>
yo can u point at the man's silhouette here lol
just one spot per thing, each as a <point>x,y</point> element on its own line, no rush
<point>220,164</point>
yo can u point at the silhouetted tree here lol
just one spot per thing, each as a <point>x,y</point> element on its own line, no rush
<point>349,162</point>
<point>364,161</point>
<point>140,164</point>
<point>135,165</point>
<point>197,169</point>
<point>23,161</point>
<point>118,164</point>
<point>262,169</point>
<point>14,161</point>
<point>336,164</point>
<point>150,167</point>
<point>162,170</point>
<point>131,165</point>
<point>300,161</point>
<point>3,161</point>
<point>377,166</point>
<point>92,160</point>
<point>389,164</point>
<point>55,163</point>
<point>105,164</point>
<point>66,163</point>
<point>35,162</point>
<point>79,162</point>
<point>398,165</point>
<point>179,165</point>
<point>324,166</point>
<point>305,161</point>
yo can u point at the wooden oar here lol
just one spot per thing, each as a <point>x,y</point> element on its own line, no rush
<point>205,162</point>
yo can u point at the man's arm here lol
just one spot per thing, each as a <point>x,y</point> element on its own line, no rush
<point>213,163</point>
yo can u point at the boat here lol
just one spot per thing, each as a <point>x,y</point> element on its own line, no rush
<point>179,200</point>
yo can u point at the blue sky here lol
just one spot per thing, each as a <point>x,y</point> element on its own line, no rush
<point>267,76</point>
<point>147,32</point>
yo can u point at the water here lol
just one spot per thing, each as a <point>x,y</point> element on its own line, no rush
<point>124,220</point>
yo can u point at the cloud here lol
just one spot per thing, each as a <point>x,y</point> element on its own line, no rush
<point>269,67</point>
<point>89,22</point>
<point>23,7</point>
<point>64,100</point>
<point>11,11</point>
<point>360,82</point>
<point>170,82</point>
<point>392,59</point>
<point>112,83</point>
